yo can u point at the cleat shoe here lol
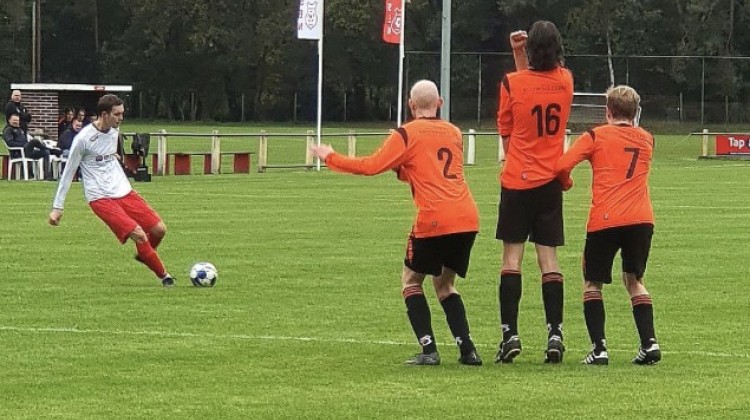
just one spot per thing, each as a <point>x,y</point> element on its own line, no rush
<point>555,350</point>
<point>424,359</point>
<point>471,358</point>
<point>649,356</point>
<point>508,350</point>
<point>167,281</point>
<point>594,358</point>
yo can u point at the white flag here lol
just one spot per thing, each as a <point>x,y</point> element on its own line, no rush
<point>310,20</point>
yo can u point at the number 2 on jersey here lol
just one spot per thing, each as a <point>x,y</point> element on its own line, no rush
<point>445,154</point>
<point>546,121</point>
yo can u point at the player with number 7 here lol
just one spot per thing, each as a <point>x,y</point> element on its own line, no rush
<point>621,219</point>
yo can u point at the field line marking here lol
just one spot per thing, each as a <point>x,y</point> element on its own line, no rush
<point>176,334</point>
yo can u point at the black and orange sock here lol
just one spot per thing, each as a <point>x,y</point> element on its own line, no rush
<point>509,293</point>
<point>643,313</point>
<point>419,316</point>
<point>593,312</point>
<point>552,296</point>
<point>455,315</point>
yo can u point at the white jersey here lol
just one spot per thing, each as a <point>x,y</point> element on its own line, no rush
<point>96,154</point>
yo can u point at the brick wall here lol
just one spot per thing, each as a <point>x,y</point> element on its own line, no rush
<point>43,106</point>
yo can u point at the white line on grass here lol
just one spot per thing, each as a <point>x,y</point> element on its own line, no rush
<point>173,334</point>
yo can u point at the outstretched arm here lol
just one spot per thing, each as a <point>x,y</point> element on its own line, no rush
<point>388,156</point>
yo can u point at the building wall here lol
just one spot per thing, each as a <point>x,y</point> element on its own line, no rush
<point>44,109</point>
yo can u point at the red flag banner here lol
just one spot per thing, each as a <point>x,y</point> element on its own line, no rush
<point>393,22</point>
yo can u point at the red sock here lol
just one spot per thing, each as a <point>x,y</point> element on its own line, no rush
<point>149,257</point>
<point>154,240</point>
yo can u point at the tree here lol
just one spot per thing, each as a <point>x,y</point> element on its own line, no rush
<point>15,49</point>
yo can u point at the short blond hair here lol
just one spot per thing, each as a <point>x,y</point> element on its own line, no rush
<point>623,102</point>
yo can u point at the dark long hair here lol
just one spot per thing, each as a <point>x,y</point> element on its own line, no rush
<point>544,46</point>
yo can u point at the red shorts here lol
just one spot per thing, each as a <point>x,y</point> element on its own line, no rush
<point>123,215</point>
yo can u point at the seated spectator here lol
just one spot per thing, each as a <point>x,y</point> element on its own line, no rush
<point>83,118</point>
<point>65,142</point>
<point>14,136</point>
<point>64,122</point>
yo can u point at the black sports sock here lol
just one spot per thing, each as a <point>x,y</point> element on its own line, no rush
<point>643,313</point>
<point>552,296</point>
<point>510,299</point>
<point>455,314</point>
<point>593,311</point>
<point>419,316</point>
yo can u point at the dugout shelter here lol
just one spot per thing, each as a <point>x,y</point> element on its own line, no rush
<point>46,101</point>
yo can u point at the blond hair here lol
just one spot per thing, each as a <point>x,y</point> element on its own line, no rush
<point>623,102</point>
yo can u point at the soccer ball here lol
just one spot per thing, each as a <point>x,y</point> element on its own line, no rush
<point>203,274</point>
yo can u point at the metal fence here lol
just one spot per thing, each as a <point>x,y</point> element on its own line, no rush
<point>696,89</point>
<point>673,88</point>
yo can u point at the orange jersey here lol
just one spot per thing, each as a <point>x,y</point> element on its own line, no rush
<point>427,153</point>
<point>533,114</point>
<point>620,157</point>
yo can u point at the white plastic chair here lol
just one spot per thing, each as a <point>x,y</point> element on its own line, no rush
<point>22,161</point>
<point>54,161</point>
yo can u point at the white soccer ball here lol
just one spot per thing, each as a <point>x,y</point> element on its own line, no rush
<point>203,274</point>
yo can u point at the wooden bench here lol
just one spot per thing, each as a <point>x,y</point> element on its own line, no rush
<point>183,162</point>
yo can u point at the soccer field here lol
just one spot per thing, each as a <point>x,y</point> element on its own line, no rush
<point>307,319</point>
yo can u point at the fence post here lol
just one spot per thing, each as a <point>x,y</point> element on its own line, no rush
<point>262,151</point>
<point>705,142</point>
<point>566,145</point>
<point>161,150</point>
<point>310,143</point>
<point>215,153</point>
<point>351,144</point>
<point>242,117</point>
<point>500,150</point>
<point>471,151</point>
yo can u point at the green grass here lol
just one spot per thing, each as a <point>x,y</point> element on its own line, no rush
<point>307,320</point>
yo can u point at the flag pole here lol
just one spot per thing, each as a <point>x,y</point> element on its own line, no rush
<point>401,56</point>
<point>320,98</point>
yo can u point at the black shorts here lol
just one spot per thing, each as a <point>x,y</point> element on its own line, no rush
<point>430,255</point>
<point>634,241</point>
<point>535,214</point>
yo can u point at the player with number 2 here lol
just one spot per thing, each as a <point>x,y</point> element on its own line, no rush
<point>427,153</point>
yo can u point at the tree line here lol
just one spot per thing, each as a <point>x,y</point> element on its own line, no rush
<point>240,59</point>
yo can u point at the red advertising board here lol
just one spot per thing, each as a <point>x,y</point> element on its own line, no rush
<point>733,144</point>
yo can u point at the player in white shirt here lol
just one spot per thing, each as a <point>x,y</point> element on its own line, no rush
<point>108,190</point>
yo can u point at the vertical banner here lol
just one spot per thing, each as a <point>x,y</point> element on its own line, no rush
<point>310,19</point>
<point>393,21</point>
<point>393,33</point>
<point>310,26</point>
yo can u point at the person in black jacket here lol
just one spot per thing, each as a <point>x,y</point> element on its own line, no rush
<point>65,142</point>
<point>64,122</point>
<point>14,136</point>
<point>14,106</point>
